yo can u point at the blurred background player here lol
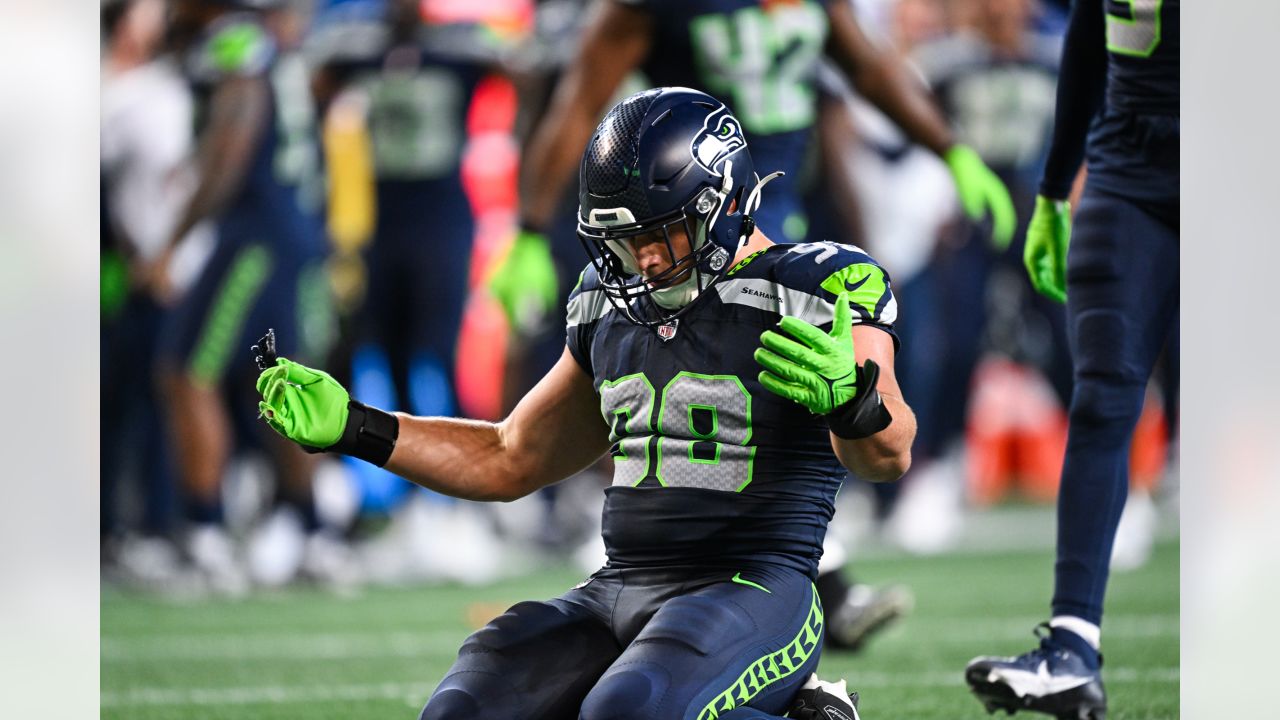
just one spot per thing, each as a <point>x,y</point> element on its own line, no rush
<point>257,174</point>
<point>994,78</point>
<point>146,143</point>
<point>763,59</point>
<point>406,87</point>
<point>1118,108</point>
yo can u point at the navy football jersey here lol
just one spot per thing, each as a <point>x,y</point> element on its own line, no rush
<point>280,199</point>
<point>1119,88</point>
<point>711,469</point>
<point>760,59</point>
<point>1142,55</point>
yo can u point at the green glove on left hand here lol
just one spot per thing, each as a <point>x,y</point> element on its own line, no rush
<point>981,190</point>
<point>820,371</point>
<point>524,282</point>
<point>306,406</point>
<point>1045,255</point>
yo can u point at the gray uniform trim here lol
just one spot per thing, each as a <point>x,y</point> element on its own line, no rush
<point>777,298</point>
<point>588,306</point>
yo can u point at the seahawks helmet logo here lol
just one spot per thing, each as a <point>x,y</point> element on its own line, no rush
<point>720,137</point>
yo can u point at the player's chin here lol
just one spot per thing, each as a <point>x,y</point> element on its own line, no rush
<point>667,279</point>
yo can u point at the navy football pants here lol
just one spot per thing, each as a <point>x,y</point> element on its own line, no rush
<point>1122,301</point>
<point>642,644</point>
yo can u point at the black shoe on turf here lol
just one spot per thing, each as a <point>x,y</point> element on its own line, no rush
<point>1050,679</point>
<point>865,611</point>
<point>819,700</point>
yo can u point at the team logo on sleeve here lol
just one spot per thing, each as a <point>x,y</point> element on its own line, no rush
<point>721,136</point>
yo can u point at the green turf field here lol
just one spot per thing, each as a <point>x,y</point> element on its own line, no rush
<point>311,655</point>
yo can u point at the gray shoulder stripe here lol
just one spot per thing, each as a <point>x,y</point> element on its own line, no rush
<point>777,298</point>
<point>587,307</point>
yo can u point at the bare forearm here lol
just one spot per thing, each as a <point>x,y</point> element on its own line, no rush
<point>238,119</point>
<point>901,97</point>
<point>882,78</point>
<point>551,160</point>
<point>468,459</point>
<point>885,456</point>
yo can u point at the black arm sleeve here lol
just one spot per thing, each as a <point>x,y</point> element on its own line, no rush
<point>1082,83</point>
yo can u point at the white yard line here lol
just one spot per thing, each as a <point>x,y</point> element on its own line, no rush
<point>415,694</point>
<point>258,647</point>
<point>343,646</point>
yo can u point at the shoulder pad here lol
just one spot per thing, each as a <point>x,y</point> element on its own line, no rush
<point>824,269</point>
<point>587,302</point>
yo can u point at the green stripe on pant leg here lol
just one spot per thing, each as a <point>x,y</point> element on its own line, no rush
<point>249,272</point>
<point>316,319</point>
<point>772,667</point>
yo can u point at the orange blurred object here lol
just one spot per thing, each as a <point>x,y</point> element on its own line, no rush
<point>1017,436</point>
<point>1017,433</point>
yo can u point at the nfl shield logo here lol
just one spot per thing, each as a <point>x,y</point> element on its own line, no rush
<point>668,331</point>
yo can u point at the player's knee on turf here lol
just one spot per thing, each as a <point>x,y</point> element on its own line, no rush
<point>626,695</point>
<point>451,704</point>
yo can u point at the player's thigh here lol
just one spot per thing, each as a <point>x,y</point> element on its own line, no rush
<point>442,262</point>
<point>200,335</point>
<point>535,662</point>
<point>1122,288</point>
<point>730,645</point>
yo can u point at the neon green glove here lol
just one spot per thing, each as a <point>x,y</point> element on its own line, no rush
<point>1046,252</point>
<point>306,406</point>
<point>820,371</point>
<point>980,191</point>
<point>524,282</point>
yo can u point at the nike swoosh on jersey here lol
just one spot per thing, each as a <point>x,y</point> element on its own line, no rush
<point>855,286</point>
<point>1039,683</point>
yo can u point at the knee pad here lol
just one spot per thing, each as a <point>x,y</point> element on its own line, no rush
<point>451,704</point>
<point>625,695</point>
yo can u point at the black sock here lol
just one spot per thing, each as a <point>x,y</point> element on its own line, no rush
<point>1064,638</point>
<point>833,588</point>
<point>203,512</point>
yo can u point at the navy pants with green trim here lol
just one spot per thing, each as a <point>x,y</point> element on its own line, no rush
<point>245,288</point>
<point>643,644</point>
<point>1122,302</point>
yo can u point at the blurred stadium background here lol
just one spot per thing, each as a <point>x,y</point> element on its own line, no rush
<point>351,602</point>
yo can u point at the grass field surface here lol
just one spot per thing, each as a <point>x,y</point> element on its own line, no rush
<point>309,654</point>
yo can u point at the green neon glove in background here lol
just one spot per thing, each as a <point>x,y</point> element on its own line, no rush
<point>524,282</point>
<point>1045,255</point>
<point>307,406</point>
<point>981,191</point>
<point>820,371</point>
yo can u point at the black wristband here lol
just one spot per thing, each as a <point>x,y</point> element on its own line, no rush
<point>864,415</point>
<point>370,434</point>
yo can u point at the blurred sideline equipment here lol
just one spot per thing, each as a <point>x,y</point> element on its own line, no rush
<point>688,601</point>
<point>1120,282</point>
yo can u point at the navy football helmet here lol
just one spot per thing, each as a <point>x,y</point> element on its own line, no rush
<point>665,158</point>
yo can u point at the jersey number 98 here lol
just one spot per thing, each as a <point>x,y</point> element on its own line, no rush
<point>702,433</point>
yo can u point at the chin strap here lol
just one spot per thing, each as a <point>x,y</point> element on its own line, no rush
<point>753,200</point>
<point>753,203</point>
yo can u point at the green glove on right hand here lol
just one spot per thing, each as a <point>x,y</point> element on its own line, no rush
<point>1045,255</point>
<point>820,371</point>
<point>980,189</point>
<point>306,406</point>
<point>524,283</point>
